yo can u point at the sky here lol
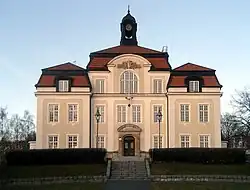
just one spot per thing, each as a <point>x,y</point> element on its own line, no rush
<point>42,33</point>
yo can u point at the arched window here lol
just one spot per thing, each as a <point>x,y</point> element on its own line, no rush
<point>128,82</point>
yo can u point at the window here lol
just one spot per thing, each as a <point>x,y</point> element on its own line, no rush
<point>128,82</point>
<point>157,86</point>
<point>156,142</point>
<point>156,110</point>
<point>184,112</point>
<point>204,141</point>
<point>203,113</point>
<point>63,86</point>
<point>73,112</point>
<point>185,141</point>
<point>194,86</point>
<point>99,85</point>
<point>136,113</point>
<point>53,113</point>
<point>101,141</point>
<point>121,113</point>
<point>101,110</point>
<point>53,141</point>
<point>72,141</point>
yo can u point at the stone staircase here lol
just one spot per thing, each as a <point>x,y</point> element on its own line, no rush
<point>128,170</point>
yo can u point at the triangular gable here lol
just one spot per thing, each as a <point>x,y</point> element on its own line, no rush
<point>192,67</point>
<point>64,66</point>
<point>128,49</point>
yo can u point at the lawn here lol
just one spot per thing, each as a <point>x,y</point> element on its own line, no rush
<point>53,170</point>
<point>75,186</point>
<point>199,186</point>
<point>198,169</point>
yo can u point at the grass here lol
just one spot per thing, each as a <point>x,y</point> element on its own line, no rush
<point>198,169</point>
<point>75,186</point>
<point>53,170</point>
<point>199,186</point>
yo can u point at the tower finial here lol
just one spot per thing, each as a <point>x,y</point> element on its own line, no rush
<point>128,9</point>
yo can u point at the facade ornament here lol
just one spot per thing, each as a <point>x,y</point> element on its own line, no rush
<point>128,65</point>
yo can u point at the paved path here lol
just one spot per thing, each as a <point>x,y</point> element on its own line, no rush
<point>127,185</point>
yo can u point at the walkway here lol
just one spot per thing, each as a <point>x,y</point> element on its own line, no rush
<point>127,185</point>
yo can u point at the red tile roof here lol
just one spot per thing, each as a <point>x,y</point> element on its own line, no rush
<point>79,79</point>
<point>65,66</point>
<point>179,81</point>
<point>192,67</point>
<point>122,49</point>
<point>100,62</point>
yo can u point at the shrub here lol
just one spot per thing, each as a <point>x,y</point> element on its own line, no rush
<point>199,155</point>
<point>56,156</point>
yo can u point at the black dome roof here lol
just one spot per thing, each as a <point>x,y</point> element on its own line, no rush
<point>129,17</point>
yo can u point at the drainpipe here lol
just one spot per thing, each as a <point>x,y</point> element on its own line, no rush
<point>90,120</point>
<point>167,119</point>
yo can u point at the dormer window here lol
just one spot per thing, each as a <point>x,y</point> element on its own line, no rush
<point>63,85</point>
<point>194,86</point>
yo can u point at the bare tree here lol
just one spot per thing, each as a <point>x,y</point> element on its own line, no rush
<point>28,126</point>
<point>241,104</point>
<point>16,126</point>
<point>230,127</point>
<point>5,132</point>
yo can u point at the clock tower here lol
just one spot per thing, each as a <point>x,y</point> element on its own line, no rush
<point>128,30</point>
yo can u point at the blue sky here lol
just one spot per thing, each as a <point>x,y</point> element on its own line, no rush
<point>38,34</point>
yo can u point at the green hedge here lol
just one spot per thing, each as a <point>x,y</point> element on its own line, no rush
<point>199,155</point>
<point>56,156</point>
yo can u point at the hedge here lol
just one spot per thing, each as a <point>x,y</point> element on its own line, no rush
<point>56,156</point>
<point>199,155</point>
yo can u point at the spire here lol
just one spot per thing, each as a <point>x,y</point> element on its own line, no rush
<point>128,9</point>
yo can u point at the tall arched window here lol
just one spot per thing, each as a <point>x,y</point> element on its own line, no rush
<point>128,82</point>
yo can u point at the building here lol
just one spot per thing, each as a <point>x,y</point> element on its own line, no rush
<point>128,85</point>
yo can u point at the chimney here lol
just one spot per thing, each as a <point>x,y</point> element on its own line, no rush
<point>165,49</point>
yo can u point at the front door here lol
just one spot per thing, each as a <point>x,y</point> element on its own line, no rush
<point>129,146</point>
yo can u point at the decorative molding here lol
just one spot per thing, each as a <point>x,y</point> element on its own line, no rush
<point>129,128</point>
<point>128,65</point>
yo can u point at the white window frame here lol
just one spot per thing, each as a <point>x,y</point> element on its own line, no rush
<point>126,113</point>
<point>100,88</point>
<point>156,136</point>
<point>99,143</point>
<point>102,112</point>
<point>48,142</point>
<point>199,112</point>
<point>180,140</point>
<point>72,135</point>
<point>141,114</point>
<point>208,142</point>
<point>63,85</point>
<point>189,113</point>
<point>194,86</point>
<point>77,112</point>
<point>134,81</point>
<point>156,85</point>
<point>154,113</point>
<point>48,113</point>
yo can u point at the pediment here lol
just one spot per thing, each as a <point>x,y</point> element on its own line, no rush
<point>129,128</point>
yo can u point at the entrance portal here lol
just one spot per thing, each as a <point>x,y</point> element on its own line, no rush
<point>129,146</point>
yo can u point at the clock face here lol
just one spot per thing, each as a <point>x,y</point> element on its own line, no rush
<point>128,27</point>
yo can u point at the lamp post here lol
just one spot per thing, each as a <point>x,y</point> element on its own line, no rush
<point>97,116</point>
<point>159,117</point>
